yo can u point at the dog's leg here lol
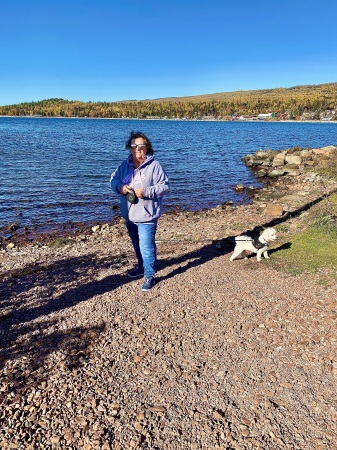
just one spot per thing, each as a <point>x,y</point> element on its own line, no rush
<point>235,254</point>
<point>232,257</point>
<point>265,254</point>
<point>258,254</point>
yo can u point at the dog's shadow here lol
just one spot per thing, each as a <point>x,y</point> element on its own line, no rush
<point>285,246</point>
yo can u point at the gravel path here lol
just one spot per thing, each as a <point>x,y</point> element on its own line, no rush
<point>218,355</point>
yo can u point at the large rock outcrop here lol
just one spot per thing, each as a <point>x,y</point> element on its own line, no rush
<point>293,161</point>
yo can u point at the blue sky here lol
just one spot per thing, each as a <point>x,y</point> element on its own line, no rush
<point>107,50</point>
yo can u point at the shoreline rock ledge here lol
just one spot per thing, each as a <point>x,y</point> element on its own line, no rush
<point>293,161</point>
<point>291,178</point>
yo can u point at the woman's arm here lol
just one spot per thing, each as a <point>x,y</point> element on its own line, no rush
<point>116,181</point>
<point>160,183</point>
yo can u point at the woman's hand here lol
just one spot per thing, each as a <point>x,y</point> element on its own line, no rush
<point>125,189</point>
<point>139,192</point>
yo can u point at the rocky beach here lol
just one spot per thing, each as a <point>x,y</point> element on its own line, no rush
<point>218,355</point>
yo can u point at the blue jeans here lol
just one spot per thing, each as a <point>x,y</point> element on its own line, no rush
<point>143,240</point>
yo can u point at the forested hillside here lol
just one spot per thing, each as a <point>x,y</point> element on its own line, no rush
<point>298,102</point>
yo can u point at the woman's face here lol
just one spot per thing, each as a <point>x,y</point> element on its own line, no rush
<point>138,149</point>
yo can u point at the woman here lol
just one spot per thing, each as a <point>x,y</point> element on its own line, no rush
<point>141,182</point>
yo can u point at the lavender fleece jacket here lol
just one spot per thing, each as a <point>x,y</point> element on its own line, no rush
<point>151,176</point>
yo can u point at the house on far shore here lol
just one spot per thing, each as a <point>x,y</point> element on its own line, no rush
<point>266,116</point>
<point>328,114</point>
<point>307,115</point>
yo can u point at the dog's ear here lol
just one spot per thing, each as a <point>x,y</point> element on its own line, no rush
<point>256,231</point>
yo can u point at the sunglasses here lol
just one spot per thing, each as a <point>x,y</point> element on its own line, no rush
<point>140,146</point>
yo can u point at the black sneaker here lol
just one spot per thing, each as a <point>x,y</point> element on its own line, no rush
<point>148,284</point>
<point>136,272</point>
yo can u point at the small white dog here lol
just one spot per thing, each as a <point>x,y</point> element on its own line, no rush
<point>259,245</point>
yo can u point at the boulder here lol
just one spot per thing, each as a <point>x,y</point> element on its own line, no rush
<point>274,210</point>
<point>261,154</point>
<point>291,169</point>
<point>326,151</point>
<point>330,149</point>
<point>290,166</point>
<point>293,172</point>
<point>293,159</point>
<point>247,158</point>
<point>279,159</point>
<point>276,173</point>
<point>261,173</point>
<point>254,162</point>
<point>306,154</point>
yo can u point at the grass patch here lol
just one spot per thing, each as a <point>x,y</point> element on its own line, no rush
<point>324,214</point>
<point>310,250</point>
<point>313,248</point>
<point>328,167</point>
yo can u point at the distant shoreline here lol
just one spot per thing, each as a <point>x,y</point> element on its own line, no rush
<point>173,120</point>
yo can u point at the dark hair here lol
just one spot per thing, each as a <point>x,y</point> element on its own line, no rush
<point>138,134</point>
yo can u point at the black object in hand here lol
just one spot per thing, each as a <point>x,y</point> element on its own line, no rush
<point>132,197</point>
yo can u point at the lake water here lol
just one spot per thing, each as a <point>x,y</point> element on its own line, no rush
<point>56,171</point>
